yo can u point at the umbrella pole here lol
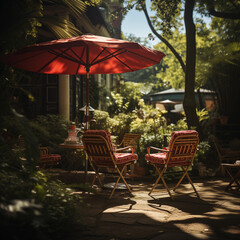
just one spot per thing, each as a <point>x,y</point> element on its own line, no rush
<point>87,101</point>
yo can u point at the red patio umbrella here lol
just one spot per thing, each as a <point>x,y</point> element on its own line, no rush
<point>86,54</point>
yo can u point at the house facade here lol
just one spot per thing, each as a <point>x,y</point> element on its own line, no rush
<point>65,94</point>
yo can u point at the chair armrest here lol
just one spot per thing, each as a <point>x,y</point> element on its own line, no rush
<point>124,148</point>
<point>157,149</point>
<point>117,145</point>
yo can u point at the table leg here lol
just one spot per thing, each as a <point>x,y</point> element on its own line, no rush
<point>86,167</point>
<point>234,179</point>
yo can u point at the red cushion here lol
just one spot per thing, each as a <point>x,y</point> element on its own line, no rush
<point>50,159</point>
<point>103,161</point>
<point>125,157</point>
<point>53,157</point>
<point>159,158</point>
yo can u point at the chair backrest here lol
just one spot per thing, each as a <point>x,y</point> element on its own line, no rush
<point>99,148</point>
<point>21,142</point>
<point>218,147</point>
<point>182,147</point>
<point>43,151</point>
<point>130,139</point>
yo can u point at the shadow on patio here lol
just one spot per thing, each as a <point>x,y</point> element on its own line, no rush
<point>140,216</point>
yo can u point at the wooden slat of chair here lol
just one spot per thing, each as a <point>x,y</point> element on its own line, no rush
<point>21,142</point>
<point>43,151</point>
<point>48,160</point>
<point>130,139</point>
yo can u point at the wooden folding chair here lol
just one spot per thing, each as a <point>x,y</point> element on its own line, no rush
<point>101,154</point>
<point>21,142</point>
<point>129,139</point>
<point>225,155</point>
<point>180,153</point>
<point>48,160</point>
<point>233,171</point>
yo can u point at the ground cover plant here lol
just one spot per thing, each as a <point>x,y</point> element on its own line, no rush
<point>31,204</point>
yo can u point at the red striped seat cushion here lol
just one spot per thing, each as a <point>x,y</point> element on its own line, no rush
<point>125,157</point>
<point>50,159</point>
<point>159,158</point>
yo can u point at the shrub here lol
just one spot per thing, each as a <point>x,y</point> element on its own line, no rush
<point>51,130</point>
<point>122,124</point>
<point>35,207</point>
<point>31,206</point>
<point>102,120</point>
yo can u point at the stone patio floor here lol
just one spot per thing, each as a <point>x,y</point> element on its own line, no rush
<point>216,215</point>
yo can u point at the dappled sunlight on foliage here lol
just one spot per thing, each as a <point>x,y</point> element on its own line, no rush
<point>50,129</point>
<point>29,200</point>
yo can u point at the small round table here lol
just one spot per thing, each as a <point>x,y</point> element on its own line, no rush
<point>76,146</point>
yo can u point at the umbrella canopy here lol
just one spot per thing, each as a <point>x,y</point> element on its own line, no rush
<point>86,54</point>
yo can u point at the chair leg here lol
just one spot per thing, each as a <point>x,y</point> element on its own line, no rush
<point>160,173</point>
<point>195,190</point>
<point>124,179</point>
<point>189,179</point>
<point>120,176</point>
<point>161,177</point>
<point>180,180</point>
<point>234,179</point>
<point>166,186</point>
<point>96,176</point>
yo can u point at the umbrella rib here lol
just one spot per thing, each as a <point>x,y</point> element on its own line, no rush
<point>120,59</point>
<point>101,60</point>
<point>59,55</point>
<point>64,55</point>
<point>80,62</point>
<point>79,58</point>
<point>111,55</point>
<point>107,57</point>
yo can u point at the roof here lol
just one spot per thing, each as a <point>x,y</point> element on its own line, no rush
<point>167,101</point>
<point>175,91</point>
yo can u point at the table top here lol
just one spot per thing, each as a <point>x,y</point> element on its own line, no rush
<point>231,165</point>
<point>72,146</point>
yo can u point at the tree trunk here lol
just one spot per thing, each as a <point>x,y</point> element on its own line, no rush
<point>189,102</point>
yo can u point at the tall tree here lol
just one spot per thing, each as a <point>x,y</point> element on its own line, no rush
<point>227,9</point>
<point>167,11</point>
<point>189,103</point>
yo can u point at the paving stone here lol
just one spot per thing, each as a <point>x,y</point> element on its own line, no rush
<point>216,215</point>
<point>118,219</point>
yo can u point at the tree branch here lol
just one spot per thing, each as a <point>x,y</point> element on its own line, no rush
<point>224,15</point>
<point>163,39</point>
